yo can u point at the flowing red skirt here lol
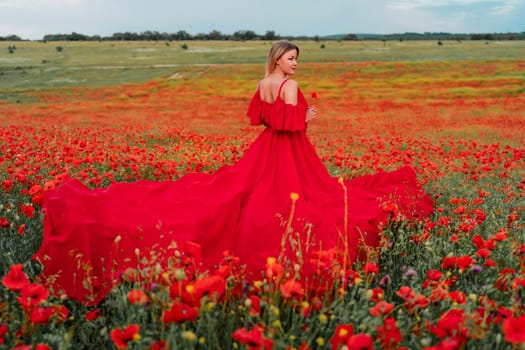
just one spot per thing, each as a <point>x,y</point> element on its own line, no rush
<point>244,209</point>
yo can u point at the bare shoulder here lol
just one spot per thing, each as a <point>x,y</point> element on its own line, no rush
<point>289,92</point>
<point>290,87</point>
<point>290,84</point>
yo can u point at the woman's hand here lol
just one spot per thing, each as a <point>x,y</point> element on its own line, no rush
<point>311,113</point>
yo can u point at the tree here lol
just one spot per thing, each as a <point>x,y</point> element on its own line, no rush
<point>270,35</point>
<point>244,35</point>
<point>215,35</point>
<point>350,37</point>
<point>182,35</point>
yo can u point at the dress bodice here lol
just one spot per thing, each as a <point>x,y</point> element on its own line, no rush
<point>278,115</point>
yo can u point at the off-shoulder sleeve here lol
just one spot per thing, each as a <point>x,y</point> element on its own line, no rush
<point>287,117</point>
<point>255,110</point>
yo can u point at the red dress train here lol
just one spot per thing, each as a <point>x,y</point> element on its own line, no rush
<point>243,209</point>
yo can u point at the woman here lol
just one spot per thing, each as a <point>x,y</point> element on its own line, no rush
<point>278,200</point>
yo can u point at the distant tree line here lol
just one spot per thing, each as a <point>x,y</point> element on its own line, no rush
<point>242,35</point>
<point>444,36</point>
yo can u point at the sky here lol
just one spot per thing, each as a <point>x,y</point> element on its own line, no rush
<point>32,19</point>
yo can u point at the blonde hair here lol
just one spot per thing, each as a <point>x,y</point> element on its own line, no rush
<point>278,49</point>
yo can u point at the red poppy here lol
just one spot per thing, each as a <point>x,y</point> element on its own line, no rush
<point>381,308</point>
<point>253,339</point>
<point>3,332</point>
<point>42,347</point>
<point>370,267</point>
<point>159,345</point>
<point>514,329</point>
<point>342,333</point>
<point>255,305</point>
<point>291,289</point>
<point>15,279</point>
<point>434,275</point>
<point>389,335</point>
<point>448,262</point>
<point>501,235</point>
<point>7,186</point>
<point>458,296</point>
<point>123,336</point>
<point>4,222</point>
<point>180,312</point>
<point>138,296</point>
<point>32,294</point>
<point>360,341</point>
<point>450,323</point>
<point>405,293</point>
<point>28,210</point>
<point>376,294</point>
<point>41,315</point>
<point>464,262</point>
<point>212,286</point>
<point>92,315</point>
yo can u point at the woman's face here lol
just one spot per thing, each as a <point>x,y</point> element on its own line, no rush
<point>288,62</point>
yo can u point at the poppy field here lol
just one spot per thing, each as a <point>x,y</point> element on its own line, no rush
<point>454,281</point>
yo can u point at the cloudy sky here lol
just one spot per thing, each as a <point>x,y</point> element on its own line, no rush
<point>32,19</point>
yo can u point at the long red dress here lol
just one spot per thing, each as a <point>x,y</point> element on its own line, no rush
<point>242,208</point>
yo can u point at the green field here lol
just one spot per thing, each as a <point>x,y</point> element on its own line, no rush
<point>61,64</point>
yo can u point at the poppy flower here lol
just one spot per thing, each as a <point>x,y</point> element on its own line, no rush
<point>42,347</point>
<point>28,210</point>
<point>464,262</point>
<point>381,308</point>
<point>212,286</point>
<point>4,222</point>
<point>15,279</point>
<point>41,315</point>
<point>7,186</point>
<point>388,334</point>
<point>370,267</point>
<point>342,333</point>
<point>92,314</point>
<point>405,293</point>
<point>32,294</point>
<point>291,289</point>
<point>159,345</point>
<point>121,337</point>
<point>3,332</point>
<point>253,339</point>
<point>514,329</point>
<point>180,312</point>
<point>138,296</point>
<point>360,341</point>
<point>254,303</point>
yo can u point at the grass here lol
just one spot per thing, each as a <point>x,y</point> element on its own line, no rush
<point>41,65</point>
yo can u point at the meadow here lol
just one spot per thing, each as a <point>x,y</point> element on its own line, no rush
<point>123,111</point>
